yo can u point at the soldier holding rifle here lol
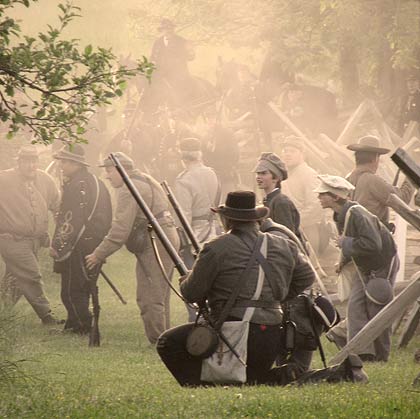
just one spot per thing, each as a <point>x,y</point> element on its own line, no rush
<point>83,220</point>
<point>214,276</point>
<point>171,344</point>
<point>129,227</point>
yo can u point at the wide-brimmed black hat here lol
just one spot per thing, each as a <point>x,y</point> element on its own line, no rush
<point>72,152</point>
<point>240,206</point>
<point>369,143</point>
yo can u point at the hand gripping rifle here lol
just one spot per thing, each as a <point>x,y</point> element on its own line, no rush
<point>179,264</point>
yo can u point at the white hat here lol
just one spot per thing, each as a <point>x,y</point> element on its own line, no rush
<point>335,185</point>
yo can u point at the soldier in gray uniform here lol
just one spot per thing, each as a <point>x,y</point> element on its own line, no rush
<point>129,227</point>
<point>26,196</point>
<point>197,189</point>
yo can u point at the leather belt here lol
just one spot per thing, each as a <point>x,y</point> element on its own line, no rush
<point>258,304</point>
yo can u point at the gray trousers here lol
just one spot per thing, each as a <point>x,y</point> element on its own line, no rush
<point>22,276</point>
<point>153,292</point>
<point>360,310</point>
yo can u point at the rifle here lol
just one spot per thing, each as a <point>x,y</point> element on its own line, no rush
<point>91,276</point>
<point>181,217</point>
<point>179,264</point>
<point>113,287</point>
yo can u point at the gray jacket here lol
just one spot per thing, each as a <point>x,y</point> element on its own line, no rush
<point>221,262</point>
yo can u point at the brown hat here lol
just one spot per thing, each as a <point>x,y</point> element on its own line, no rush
<point>294,141</point>
<point>166,23</point>
<point>240,206</point>
<point>72,152</point>
<point>271,161</point>
<point>190,144</point>
<point>28,152</point>
<point>368,143</point>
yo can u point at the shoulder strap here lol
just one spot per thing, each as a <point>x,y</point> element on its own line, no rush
<point>264,265</point>
<point>95,204</point>
<point>235,292</point>
<point>146,179</point>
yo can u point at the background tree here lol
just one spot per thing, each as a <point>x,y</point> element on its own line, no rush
<point>50,85</point>
<point>363,45</point>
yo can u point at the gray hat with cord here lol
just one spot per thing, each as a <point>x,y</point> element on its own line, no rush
<point>273,163</point>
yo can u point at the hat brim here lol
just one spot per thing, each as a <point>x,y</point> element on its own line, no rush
<point>321,189</point>
<point>335,191</point>
<point>370,149</point>
<point>58,157</point>
<point>167,26</point>
<point>26,156</point>
<point>255,214</point>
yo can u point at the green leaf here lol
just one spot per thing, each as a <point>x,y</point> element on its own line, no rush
<point>10,91</point>
<point>88,50</point>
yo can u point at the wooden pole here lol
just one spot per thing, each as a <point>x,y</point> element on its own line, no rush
<point>411,131</point>
<point>412,216</point>
<point>400,238</point>
<point>297,131</point>
<point>352,123</point>
<point>381,321</point>
<point>410,325</point>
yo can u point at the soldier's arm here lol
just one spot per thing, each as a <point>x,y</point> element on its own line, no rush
<point>365,237</point>
<point>302,276</point>
<point>382,189</point>
<point>122,224</point>
<point>199,281</point>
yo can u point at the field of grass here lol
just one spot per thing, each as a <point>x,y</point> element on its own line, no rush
<point>124,378</point>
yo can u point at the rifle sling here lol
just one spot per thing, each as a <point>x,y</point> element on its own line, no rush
<point>239,284</point>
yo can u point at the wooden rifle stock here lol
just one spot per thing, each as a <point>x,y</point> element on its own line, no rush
<point>94,335</point>
<point>181,217</point>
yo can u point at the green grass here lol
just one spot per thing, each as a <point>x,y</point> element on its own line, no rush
<point>124,378</point>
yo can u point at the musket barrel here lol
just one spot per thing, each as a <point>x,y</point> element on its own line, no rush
<point>181,216</point>
<point>179,264</point>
